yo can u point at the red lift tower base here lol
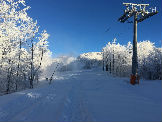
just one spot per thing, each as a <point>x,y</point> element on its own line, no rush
<point>134,79</point>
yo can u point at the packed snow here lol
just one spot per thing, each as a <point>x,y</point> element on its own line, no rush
<point>86,95</point>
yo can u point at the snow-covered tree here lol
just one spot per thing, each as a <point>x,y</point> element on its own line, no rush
<point>22,48</point>
<point>118,59</point>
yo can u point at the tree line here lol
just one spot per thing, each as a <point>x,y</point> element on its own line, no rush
<point>117,59</point>
<point>23,47</point>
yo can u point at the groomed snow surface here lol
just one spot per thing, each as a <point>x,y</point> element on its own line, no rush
<point>85,96</point>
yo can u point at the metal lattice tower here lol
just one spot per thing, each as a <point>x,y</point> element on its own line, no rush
<point>140,13</point>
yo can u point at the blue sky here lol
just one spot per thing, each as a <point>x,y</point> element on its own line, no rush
<point>78,26</point>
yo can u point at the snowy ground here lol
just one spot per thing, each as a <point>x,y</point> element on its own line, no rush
<point>86,96</point>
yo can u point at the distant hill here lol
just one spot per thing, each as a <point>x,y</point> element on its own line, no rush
<point>68,63</point>
<point>91,56</point>
<point>90,60</point>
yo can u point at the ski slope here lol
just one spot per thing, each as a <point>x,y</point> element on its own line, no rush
<point>85,96</point>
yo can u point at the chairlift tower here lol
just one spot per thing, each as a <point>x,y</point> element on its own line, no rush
<point>139,12</point>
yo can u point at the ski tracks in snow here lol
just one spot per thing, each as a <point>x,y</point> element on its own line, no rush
<point>26,104</point>
<point>69,106</point>
<point>86,96</point>
<point>74,106</point>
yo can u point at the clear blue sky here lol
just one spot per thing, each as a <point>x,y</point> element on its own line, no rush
<point>78,26</point>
